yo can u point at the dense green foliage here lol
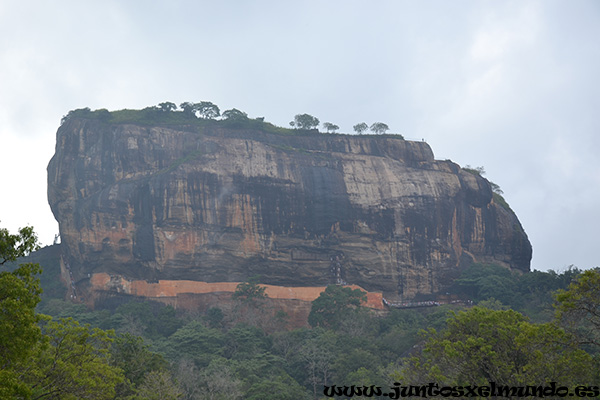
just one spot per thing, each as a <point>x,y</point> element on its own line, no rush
<point>69,362</point>
<point>146,350</point>
<point>579,308</point>
<point>19,295</point>
<point>481,346</point>
<point>236,116</point>
<point>134,358</point>
<point>13,246</point>
<point>531,294</point>
<point>40,357</point>
<point>336,305</point>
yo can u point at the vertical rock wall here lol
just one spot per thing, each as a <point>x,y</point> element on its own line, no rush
<point>215,205</point>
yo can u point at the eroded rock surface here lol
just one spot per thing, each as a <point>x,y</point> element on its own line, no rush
<point>216,205</point>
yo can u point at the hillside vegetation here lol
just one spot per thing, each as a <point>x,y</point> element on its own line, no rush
<point>518,331</point>
<point>206,114</point>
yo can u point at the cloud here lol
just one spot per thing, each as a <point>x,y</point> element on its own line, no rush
<point>512,86</point>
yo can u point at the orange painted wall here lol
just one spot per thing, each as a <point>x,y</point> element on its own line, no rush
<point>168,288</point>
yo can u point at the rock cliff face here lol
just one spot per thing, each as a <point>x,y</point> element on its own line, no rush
<point>221,205</point>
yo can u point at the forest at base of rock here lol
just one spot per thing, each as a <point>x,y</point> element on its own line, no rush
<point>528,329</point>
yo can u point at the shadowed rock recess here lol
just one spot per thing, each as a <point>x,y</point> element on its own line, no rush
<point>212,204</point>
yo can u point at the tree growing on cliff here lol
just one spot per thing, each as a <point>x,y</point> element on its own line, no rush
<point>360,128</point>
<point>474,170</point>
<point>234,115</point>
<point>189,109</point>
<point>379,128</point>
<point>207,110</point>
<point>167,106</point>
<point>80,112</point>
<point>480,171</point>
<point>329,127</point>
<point>305,121</point>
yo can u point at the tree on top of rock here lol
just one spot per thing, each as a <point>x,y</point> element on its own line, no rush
<point>234,115</point>
<point>189,109</point>
<point>379,128</point>
<point>167,106</point>
<point>207,110</point>
<point>329,127</point>
<point>305,121</point>
<point>360,128</point>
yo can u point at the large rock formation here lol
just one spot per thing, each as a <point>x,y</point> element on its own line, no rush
<point>206,203</point>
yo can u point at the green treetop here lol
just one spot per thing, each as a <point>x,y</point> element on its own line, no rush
<point>360,128</point>
<point>305,121</point>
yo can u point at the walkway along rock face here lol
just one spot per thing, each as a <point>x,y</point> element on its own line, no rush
<point>208,204</point>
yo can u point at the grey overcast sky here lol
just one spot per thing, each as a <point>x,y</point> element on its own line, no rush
<point>512,86</point>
